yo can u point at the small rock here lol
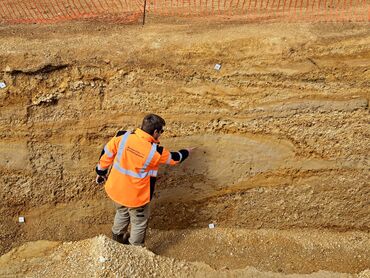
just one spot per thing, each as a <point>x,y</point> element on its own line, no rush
<point>77,85</point>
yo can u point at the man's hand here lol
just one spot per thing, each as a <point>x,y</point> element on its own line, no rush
<point>190,150</point>
<point>100,179</point>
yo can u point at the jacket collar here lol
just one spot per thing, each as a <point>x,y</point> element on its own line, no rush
<point>146,136</point>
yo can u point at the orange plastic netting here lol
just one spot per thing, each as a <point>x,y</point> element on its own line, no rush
<point>126,11</point>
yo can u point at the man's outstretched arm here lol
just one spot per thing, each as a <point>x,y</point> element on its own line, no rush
<point>173,158</point>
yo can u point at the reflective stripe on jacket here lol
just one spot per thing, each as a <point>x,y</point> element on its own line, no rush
<point>134,158</point>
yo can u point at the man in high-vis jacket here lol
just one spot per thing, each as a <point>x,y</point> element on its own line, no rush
<point>134,159</point>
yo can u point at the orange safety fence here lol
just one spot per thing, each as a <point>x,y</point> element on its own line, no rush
<point>126,11</point>
<point>50,11</point>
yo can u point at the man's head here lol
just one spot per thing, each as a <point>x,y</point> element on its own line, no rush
<point>153,124</point>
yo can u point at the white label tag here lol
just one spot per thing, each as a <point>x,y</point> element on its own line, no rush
<point>217,67</point>
<point>21,219</point>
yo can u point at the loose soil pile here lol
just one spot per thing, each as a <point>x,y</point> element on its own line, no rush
<point>282,167</point>
<point>102,257</point>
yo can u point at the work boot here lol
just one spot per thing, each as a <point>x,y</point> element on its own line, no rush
<point>123,239</point>
<point>118,238</point>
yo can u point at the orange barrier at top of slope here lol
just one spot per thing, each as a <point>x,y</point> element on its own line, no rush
<point>128,11</point>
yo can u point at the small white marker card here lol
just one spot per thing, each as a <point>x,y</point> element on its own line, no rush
<point>217,67</point>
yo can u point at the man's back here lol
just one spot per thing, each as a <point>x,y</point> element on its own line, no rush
<point>136,160</point>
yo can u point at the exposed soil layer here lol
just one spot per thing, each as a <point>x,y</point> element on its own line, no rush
<point>282,130</point>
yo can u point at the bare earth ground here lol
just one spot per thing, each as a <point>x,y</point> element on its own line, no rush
<point>283,132</point>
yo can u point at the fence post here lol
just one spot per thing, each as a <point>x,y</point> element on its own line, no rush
<point>144,13</point>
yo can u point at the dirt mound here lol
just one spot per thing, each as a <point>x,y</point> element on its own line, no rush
<point>97,257</point>
<point>102,257</point>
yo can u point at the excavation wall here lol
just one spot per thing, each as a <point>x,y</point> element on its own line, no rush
<point>282,128</point>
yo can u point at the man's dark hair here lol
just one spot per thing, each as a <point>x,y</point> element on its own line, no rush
<point>152,122</point>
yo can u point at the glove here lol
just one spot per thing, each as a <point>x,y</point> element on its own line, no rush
<point>100,179</point>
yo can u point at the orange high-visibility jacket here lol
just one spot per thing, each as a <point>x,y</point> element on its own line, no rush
<point>135,158</point>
